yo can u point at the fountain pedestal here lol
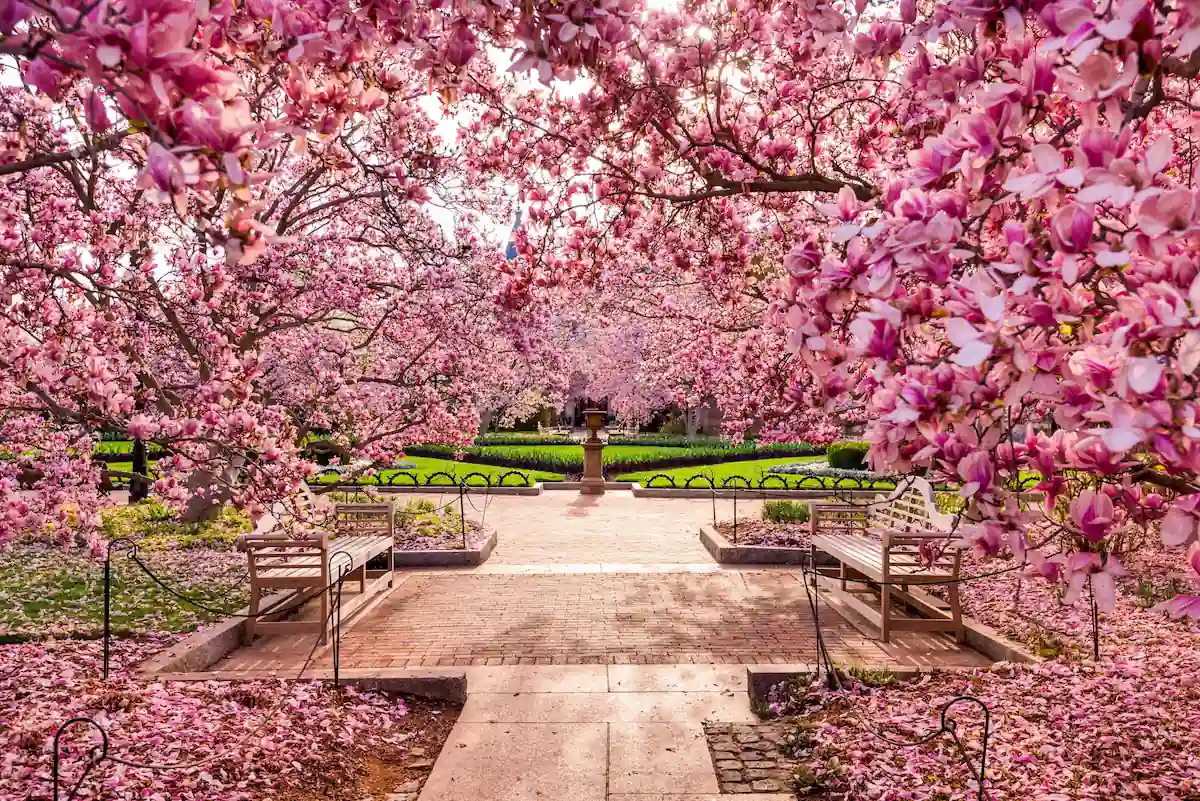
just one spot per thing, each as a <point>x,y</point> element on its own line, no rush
<point>593,458</point>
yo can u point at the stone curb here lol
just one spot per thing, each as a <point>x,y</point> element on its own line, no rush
<point>443,685</point>
<point>447,558</point>
<point>578,485</point>
<point>207,646</point>
<point>746,494</point>
<point>536,489</point>
<point>726,553</point>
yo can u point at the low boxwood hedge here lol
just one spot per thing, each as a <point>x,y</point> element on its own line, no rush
<point>622,457</point>
<point>848,455</point>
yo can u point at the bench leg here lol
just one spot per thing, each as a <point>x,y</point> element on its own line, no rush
<point>843,575</point>
<point>885,612</point>
<point>960,631</point>
<point>250,622</point>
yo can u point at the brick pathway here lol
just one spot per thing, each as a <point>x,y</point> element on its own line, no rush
<point>609,580</point>
<point>564,527</point>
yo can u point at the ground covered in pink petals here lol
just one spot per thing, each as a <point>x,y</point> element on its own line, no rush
<point>1065,730</point>
<point>237,741</point>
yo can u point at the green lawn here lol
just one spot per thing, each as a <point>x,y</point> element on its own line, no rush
<point>427,466</point>
<point>752,471</point>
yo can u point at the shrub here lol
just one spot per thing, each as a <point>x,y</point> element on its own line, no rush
<point>155,527</point>
<point>785,512</point>
<point>848,455</point>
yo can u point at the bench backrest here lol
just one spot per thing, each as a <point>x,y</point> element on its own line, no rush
<point>910,507</point>
<point>363,518</point>
<point>278,551</point>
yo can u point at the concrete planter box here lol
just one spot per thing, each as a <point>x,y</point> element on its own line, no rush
<point>455,558</point>
<point>726,553</point>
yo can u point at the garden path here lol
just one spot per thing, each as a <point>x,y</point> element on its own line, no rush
<point>608,579</point>
<point>597,639</point>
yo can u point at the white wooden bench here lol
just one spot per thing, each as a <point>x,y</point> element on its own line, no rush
<point>896,541</point>
<point>294,552</point>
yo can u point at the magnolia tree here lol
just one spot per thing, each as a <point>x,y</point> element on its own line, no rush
<point>984,217</point>
<point>223,318</point>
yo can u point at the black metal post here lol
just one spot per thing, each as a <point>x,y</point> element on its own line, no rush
<point>95,756</point>
<point>462,513</point>
<point>735,542</point>
<point>120,542</point>
<point>1095,620</point>
<point>107,609</point>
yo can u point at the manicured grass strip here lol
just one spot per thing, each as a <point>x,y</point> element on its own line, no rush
<point>427,466</point>
<point>752,471</point>
<point>51,592</point>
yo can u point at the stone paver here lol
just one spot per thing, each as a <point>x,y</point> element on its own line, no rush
<point>521,762</point>
<point>606,707</point>
<point>659,757</point>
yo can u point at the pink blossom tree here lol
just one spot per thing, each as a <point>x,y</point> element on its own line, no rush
<point>979,220</point>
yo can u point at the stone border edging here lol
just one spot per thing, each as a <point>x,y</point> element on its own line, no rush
<point>761,678</point>
<point>578,485</point>
<point>726,553</point>
<point>445,558</point>
<point>748,494</point>
<point>443,685</point>
<point>207,646</point>
<point>435,489</point>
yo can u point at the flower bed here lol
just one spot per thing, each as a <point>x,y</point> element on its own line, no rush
<point>765,534</point>
<point>260,739</point>
<point>1064,730</point>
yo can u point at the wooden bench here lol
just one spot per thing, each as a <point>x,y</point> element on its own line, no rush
<point>293,552</point>
<point>895,541</point>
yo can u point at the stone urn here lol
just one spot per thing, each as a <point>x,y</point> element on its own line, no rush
<point>593,450</point>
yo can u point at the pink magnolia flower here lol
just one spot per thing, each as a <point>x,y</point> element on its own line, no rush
<point>1051,568</point>
<point>1102,570</point>
<point>1092,512</point>
<point>1179,524</point>
<point>976,473</point>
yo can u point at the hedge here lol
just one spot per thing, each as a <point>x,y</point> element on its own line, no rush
<point>848,455</point>
<point>554,459</point>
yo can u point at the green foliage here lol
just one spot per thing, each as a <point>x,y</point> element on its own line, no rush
<point>619,457</point>
<point>871,678</point>
<point>785,511</point>
<point>848,455</point>
<point>423,518</point>
<point>949,502</point>
<point>156,529</point>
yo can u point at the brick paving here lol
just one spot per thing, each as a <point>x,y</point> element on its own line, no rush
<point>564,527</point>
<point>600,618</point>
<point>609,580</point>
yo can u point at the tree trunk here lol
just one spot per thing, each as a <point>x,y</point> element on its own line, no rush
<point>485,419</point>
<point>139,488</point>
<point>205,507</point>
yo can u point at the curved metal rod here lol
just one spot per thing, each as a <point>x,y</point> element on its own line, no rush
<point>96,755</point>
<point>948,726</point>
